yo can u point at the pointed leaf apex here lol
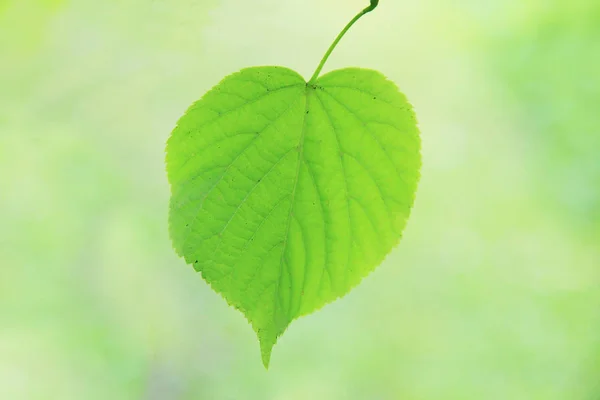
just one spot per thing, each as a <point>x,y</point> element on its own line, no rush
<point>265,351</point>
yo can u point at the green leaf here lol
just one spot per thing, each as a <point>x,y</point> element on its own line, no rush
<point>285,194</point>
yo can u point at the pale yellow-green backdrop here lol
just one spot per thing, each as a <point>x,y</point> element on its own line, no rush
<point>494,293</point>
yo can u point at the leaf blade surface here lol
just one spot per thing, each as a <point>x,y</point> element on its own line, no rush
<point>286,194</point>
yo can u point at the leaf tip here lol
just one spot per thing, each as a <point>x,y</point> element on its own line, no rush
<point>266,347</point>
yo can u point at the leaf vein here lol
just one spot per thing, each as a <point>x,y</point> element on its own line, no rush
<point>340,150</point>
<point>220,234</point>
<point>247,243</point>
<point>366,129</point>
<point>300,157</point>
<point>201,205</point>
<point>240,106</point>
<point>322,207</point>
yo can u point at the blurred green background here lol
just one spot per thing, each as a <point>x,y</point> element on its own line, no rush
<point>494,292</point>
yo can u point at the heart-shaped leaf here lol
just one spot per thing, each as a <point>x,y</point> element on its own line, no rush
<point>285,194</point>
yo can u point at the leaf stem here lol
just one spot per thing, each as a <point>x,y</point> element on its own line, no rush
<point>367,10</point>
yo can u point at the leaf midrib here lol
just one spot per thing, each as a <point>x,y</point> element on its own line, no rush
<point>293,195</point>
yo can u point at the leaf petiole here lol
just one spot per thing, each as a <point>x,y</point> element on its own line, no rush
<point>367,10</point>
